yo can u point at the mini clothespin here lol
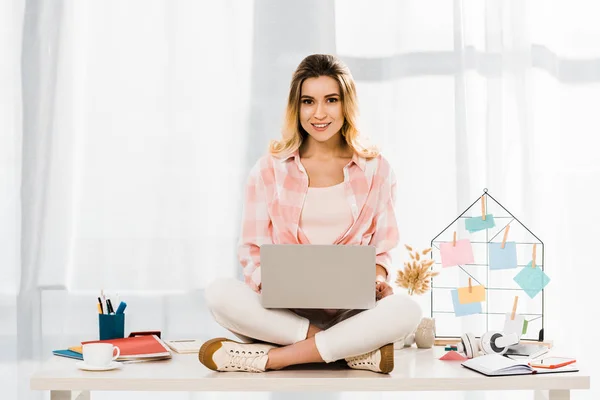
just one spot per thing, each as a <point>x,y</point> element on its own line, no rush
<point>533,257</point>
<point>470,286</point>
<point>514,310</point>
<point>505,235</point>
<point>454,240</point>
<point>483,208</point>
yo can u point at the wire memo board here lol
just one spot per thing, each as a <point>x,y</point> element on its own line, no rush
<point>500,286</point>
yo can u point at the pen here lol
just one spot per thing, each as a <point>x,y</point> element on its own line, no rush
<point>109,307</point>
<point>100,306</point>
<point>103,296</point>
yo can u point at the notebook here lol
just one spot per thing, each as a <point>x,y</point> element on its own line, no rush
<point>185,346</point>
<point>68,354</point>
<point>497,365</point>
<point>139,348</point>
<point>530,351</point>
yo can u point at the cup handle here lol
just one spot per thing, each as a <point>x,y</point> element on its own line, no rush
<point>118,352</point>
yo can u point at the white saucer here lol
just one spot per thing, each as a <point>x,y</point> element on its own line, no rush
<point>82,365</point>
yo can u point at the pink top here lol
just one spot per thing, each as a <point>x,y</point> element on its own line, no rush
<point>326,214</point>
<point>275,193</point>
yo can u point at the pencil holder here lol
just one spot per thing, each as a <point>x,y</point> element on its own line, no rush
<point>111,326</point>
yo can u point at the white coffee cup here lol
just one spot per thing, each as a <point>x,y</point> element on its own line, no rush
<point>100,354</point>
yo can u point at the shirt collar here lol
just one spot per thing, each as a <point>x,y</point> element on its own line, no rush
<point>358,160</point>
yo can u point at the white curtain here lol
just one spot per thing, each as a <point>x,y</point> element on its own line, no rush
<point>127,130</point>
<point>465,95</point>
<point>10,161</point>
<point>145,144</point>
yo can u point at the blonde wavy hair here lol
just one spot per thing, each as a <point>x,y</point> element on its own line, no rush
<point>293,134</point>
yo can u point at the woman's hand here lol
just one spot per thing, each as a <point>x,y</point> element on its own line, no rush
<point>382,289</point>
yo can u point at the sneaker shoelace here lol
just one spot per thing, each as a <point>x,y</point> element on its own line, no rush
<point>363,359</point>
<point>244,362</point>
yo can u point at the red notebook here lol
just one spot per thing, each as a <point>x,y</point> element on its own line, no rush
<point>142,348</point>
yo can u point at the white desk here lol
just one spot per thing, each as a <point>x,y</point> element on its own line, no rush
<point>415,370</point>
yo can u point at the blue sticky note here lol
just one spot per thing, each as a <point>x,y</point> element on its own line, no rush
<point>532,280</point>
<point>475,224</point>
<point>461,310</point>
<point>503,258</point>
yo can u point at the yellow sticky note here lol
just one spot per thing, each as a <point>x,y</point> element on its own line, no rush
<point>477,294</point>
<point>77,349</point>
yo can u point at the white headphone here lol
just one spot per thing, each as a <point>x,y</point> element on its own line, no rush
<point>468,345</point>
<point>492,342</point>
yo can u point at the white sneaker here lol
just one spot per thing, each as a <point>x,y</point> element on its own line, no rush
<point>380,360</point>
<point>222,354</point>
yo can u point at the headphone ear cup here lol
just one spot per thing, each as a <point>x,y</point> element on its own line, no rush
<point>488,343</point>
<point>485,342</point>
<point>469,345</point>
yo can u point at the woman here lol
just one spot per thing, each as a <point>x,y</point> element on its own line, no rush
<point>320,184</point>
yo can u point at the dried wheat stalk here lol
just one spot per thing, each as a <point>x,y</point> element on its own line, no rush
<point>417,275</point>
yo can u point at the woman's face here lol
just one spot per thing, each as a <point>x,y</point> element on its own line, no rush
<point>321,113</point>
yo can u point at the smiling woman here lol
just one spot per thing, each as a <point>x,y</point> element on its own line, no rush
<point>318,185</point>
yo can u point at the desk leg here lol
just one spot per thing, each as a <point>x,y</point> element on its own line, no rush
<point>559,394</point>
<point>69,395</point>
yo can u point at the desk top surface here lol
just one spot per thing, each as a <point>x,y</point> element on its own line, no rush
<point>415,370</point>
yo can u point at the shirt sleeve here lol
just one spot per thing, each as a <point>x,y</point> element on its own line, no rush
<point>386,235</point>
<point>256,228</point>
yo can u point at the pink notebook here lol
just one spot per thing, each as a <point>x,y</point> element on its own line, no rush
<point>138,347</point>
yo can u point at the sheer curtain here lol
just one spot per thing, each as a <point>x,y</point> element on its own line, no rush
<point>496,94</point>
<point>145,108</point>
<point>127,130</point>
<point>132,155</point>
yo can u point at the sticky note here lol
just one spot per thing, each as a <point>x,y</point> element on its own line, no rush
<point>460,254</point>
<point>475,224</point>
<point>513,325</point>
<point>477,294</point>
<point>453,356</point>
<point>460,310</point>
<point>532,280</point>
<point>503,258</point>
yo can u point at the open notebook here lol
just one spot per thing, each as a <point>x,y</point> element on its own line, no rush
<point>497,365</point>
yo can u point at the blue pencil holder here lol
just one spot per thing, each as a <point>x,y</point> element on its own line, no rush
<point>111,326</point>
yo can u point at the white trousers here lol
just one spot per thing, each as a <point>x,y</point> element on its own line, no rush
<point>347,333</point>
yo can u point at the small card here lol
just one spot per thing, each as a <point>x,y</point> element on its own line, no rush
<point>532,280</point>
<point>453,356</point>
<point>460,254</point>
<point>514,325</point>
<point>503,258</point>
<point>475,224</point>
<point>460,310</point>
<point>476,295</point>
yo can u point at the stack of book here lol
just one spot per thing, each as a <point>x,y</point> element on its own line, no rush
<point>133,349</point>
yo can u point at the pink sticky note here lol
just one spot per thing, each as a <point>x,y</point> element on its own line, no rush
<point>460,254</point>
<point>453,356</point>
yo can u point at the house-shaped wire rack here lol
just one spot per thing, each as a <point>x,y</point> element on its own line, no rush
<point>500,287</point>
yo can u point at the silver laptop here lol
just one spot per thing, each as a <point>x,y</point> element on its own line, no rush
<point>317,276</point>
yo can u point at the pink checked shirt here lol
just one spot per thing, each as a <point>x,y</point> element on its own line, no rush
<point>275,194</point>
